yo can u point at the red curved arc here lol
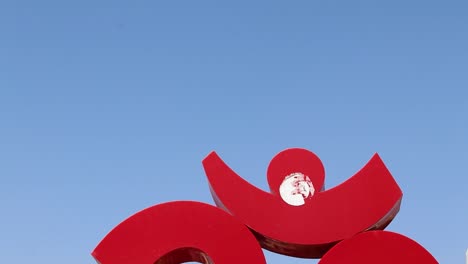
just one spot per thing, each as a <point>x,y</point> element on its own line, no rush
<point>381,247</point>
<point>368,200</point>
<point>178,232</point>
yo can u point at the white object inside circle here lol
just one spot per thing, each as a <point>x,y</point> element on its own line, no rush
<point>295,188</point>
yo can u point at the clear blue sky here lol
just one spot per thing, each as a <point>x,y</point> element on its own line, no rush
<point>108,107</point>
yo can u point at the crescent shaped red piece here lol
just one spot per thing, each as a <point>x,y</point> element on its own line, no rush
<point>178,232</point>
<point>381,247</point>
<point>368,200</point>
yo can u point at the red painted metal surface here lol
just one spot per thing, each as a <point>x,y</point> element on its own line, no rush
<point>336,224</point>
<point>381,247</point>
<point>368,200</point>
<point>178,232</point>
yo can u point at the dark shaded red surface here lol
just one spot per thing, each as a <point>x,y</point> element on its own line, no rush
<point>368,200</point>
<point>178,232</point>
<point>380,247</point>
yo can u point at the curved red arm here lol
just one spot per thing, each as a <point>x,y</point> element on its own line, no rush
<point>368,200</point>
<point>381,247</point>
<point>178,232</point>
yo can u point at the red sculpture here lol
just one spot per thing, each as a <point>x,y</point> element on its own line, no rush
<point>369,200</point>
<point>178,232</point>
<point>298,218</point>
<point>381,247</point>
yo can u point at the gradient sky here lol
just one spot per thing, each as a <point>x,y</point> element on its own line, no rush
<point>108,107</point>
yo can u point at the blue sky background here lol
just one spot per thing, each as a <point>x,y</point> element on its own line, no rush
<point>108,107</point>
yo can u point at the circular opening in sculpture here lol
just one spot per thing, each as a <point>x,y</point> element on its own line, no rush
<point>185,255</point>
<point>296,188</point>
